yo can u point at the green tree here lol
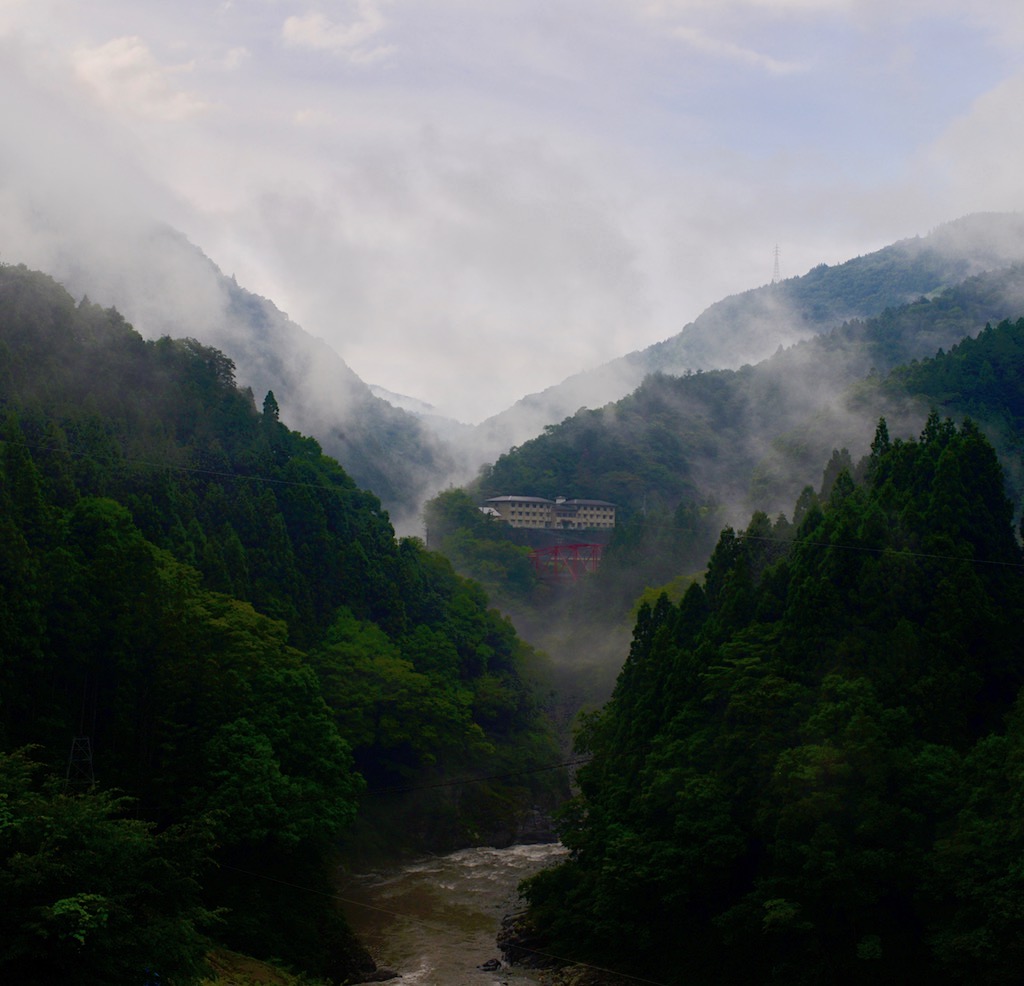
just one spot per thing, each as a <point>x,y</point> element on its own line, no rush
<point>807,773</point>
<point>92,897</point>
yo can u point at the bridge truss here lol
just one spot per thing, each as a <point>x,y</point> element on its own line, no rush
<point>566,562</point>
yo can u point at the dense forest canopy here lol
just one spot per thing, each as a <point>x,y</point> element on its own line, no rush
<point>683,456</point>
<point>809,770</point>
<point>699,436</point>
<point>230,622</point>
<point>813,746</point>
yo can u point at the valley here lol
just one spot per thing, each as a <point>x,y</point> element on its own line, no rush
<point>269,674</point>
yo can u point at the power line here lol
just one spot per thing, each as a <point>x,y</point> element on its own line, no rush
<point>878,551</point>
<point>478,780</point>
<point>164,466</point>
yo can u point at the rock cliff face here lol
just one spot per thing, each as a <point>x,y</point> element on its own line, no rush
<point>581,975</point>
<point>522,944</point>
<point>532,827</point>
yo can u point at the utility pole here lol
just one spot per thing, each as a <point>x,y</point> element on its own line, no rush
<point>775,271</point>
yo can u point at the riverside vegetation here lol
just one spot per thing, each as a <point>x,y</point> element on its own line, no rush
<point>255,660</point>
<point>808,768</point>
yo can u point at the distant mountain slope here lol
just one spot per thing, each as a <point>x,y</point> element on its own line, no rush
<point>164,285</point>
<point>685,456</point>
<point>235,628</point>
<point>748,327</point>
<point>749,437</point>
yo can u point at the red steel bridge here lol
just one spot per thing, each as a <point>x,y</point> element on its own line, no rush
<point>566,562</point>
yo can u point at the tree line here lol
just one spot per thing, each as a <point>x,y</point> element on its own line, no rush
<point>250,652</point>
<point>809,771</point>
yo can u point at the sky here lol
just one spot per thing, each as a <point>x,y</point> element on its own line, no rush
<point>471,200</point>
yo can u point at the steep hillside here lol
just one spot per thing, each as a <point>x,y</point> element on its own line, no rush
<point>741,439</point>
<point>164,285</point>
<point>222,630</point>
<point>749,327</point>
<point>682,456</point>
<point>809,770</point>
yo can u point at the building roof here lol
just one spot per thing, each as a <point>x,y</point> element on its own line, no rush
<point>519,499</point>
<point>515,498</point>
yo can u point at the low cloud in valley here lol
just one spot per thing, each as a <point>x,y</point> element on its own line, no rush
<point>472,202</point>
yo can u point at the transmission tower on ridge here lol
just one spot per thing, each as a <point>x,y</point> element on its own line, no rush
<point>80,773</point>
<point>775,270</point>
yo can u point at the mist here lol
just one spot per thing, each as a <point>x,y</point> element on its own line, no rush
<point>505,214</point>
<point>470,206</point>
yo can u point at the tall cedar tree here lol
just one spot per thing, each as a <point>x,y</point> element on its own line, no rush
<point>234,626</point>
<point>809,771</point>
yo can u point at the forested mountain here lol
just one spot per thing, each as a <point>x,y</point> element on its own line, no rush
<point>162,283</point>
<point>730,441</point>
<point>203,613</point>
<point>165,285</point>
<point>684,456</point>
<point>809,771</point>
<point>748,327</point>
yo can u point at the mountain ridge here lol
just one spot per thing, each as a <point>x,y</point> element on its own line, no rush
<point>751,325</point>
<point>165,285</point>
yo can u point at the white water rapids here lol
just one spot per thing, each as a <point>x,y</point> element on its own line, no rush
<point>435,920</point>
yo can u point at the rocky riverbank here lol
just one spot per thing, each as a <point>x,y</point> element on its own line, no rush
<point>434,919</point>
<point>581,975</point>
<point>523,944</point>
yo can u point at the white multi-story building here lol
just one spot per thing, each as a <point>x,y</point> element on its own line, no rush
<point>539,513</point>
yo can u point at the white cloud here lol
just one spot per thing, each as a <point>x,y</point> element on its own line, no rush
<point>317,31</point>
<point>734,52</point>
<point>235,57</point>
<point>468,269</point>
<point>126,77</point>
<point>581,177</point>
<point>9,15</point>
<point>673,8</point>
<point>309,117</point>
<point>981,154</point>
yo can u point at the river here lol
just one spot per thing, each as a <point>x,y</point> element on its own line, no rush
<point>435,920</point>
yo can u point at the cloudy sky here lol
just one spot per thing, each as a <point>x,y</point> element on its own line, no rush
<point>473,199</point>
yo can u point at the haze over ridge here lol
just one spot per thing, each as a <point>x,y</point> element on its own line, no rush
<point>470,202</point>
<point>166,285</point>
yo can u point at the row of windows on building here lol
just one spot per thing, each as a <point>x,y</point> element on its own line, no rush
<point>539,512</point>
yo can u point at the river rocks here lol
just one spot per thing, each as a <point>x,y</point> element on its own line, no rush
<point>581,975</point>
<point>380,976</point>
<point>522,943</point>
